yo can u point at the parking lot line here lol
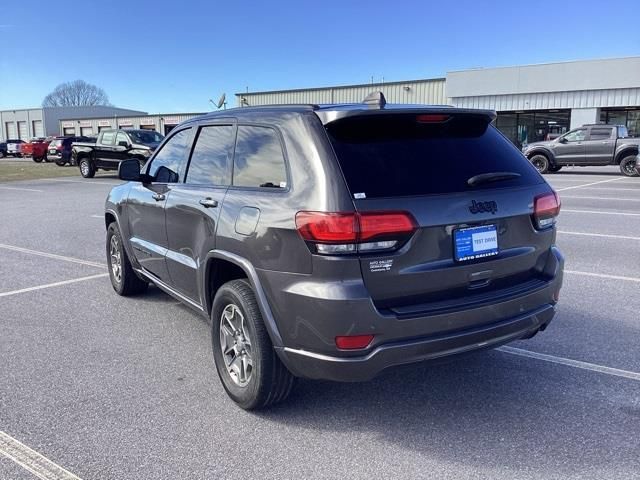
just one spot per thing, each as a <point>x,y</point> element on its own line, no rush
<point>603,198</point>
<point>52,255</point>
<point>565,210</point>
<point>603,235</point>
<point>609,189</point>
<point>589,184</point>
<point>84,182</point>
<point>54,284</point>
<point>603,275</point>
<point>21,189</point>
<point>571,363</point>
<point>31,460</point>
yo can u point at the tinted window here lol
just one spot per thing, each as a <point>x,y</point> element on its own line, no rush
<point>600,134</point>
<point>108,138</point>
<point>395,155</point>
<point>259,160</point>
<point>145,137</point>
<point>576,135</point>
<point>211,157</point>
<point>165,166</point>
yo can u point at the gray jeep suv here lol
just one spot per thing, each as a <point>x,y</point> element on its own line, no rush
<point>333,242</point>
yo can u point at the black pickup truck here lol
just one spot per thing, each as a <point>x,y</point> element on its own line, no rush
<point>589,145</point>
<point>112,147</point>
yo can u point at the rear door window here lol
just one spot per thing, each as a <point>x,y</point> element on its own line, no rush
<point>211,158</point>
<point>398,155</point>
<point>108,138</point>
<point>600,134</point>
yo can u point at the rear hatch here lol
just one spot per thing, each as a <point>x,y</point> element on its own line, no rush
<point>470,195</point>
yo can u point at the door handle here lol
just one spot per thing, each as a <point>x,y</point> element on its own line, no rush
<point>209,203</point>
<point>158,197</point>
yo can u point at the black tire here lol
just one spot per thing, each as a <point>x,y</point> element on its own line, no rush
<point>37,159</point>
<point>555,168</point>
<point>2,154</point>
<point>269,381</point>
<point>123,279</point>
<point>87,168</point>
<point>62,163</point>
<point>628,166</point>
<point>540,162</point>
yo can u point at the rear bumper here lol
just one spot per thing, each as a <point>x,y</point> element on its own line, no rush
<point>308,325</point>
<point>353,369</point>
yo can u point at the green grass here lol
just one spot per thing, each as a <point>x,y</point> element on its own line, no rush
<point>11,170</point>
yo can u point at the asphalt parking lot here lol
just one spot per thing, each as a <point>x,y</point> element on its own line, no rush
<point>113,388</point>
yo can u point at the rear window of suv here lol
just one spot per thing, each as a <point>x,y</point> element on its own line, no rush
<point>396,155</point>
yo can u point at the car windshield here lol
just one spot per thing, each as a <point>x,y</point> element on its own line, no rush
<point>145,137</point>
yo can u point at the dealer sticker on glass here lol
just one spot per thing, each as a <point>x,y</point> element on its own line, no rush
<point>475,242</point>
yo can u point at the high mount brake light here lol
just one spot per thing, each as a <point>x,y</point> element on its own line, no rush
<point>342,233</point>
<point>545,210</point>
<point>432,118</point>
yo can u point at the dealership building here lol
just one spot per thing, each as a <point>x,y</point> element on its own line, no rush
<point>24,124</point>
<point>532,101</point>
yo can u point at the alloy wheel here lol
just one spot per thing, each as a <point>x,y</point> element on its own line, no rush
<point>235,344</point>
<point>116,258</point>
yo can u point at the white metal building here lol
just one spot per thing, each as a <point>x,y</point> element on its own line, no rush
<point>25,124</point>
<point>162,122</point>
<point>532,101</point>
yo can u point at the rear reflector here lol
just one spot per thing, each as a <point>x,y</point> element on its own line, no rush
<point>344,233</point>
<point>353,342</point>
<point>545,210</point>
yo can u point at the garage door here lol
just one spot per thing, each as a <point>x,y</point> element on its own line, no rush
<point>86,131</point>
<point>10,130</point>
<point>69,131</point>
<point>22,131</point>
<point>38,130</point>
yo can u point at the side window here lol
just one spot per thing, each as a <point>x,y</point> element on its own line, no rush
<point>576,135</point>
<point>211,157</point>
<point>122,137</point>
<point>165,166</point>
<point>600,134</point>
<point>258,159</point>
<point>108,138</point>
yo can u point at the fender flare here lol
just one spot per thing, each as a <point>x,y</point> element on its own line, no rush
<point>542,151</point>
<point>252,276</point>
<point>624,152</point>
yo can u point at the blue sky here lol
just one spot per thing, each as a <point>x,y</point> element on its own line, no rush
<point>161,56</point>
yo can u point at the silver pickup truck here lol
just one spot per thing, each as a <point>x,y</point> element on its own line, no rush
<point>589,145</point>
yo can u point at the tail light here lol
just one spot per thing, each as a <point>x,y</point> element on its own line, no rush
<point>344,233</point>
<point>545,210</point>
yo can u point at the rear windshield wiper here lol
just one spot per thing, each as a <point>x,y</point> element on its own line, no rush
<point>491,177</point>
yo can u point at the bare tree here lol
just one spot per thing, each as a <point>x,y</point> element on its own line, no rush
<point>76,93</point>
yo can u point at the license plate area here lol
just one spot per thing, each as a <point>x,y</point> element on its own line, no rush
<point>472,243</point>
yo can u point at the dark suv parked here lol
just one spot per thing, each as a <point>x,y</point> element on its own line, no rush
<point>332,242</point>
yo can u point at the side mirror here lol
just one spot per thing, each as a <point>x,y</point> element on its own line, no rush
<point>129,170</point>
<point>123,143</point>
<point>562,140</point>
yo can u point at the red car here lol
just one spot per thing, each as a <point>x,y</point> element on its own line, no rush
<point>37,148</point>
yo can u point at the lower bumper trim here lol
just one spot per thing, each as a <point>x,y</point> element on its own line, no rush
<point>349,369</point>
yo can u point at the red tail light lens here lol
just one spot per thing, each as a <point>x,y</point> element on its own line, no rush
<point>353,342</point>
<point>327,227</point>
<point>342,233</point>
<point>545,210</point>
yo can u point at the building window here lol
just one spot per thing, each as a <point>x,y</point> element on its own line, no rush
<point>533,126</point>
<point>630,118</point>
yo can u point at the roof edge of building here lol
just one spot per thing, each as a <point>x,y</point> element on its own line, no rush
<point>562,62</point>
<point>356,85</point>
